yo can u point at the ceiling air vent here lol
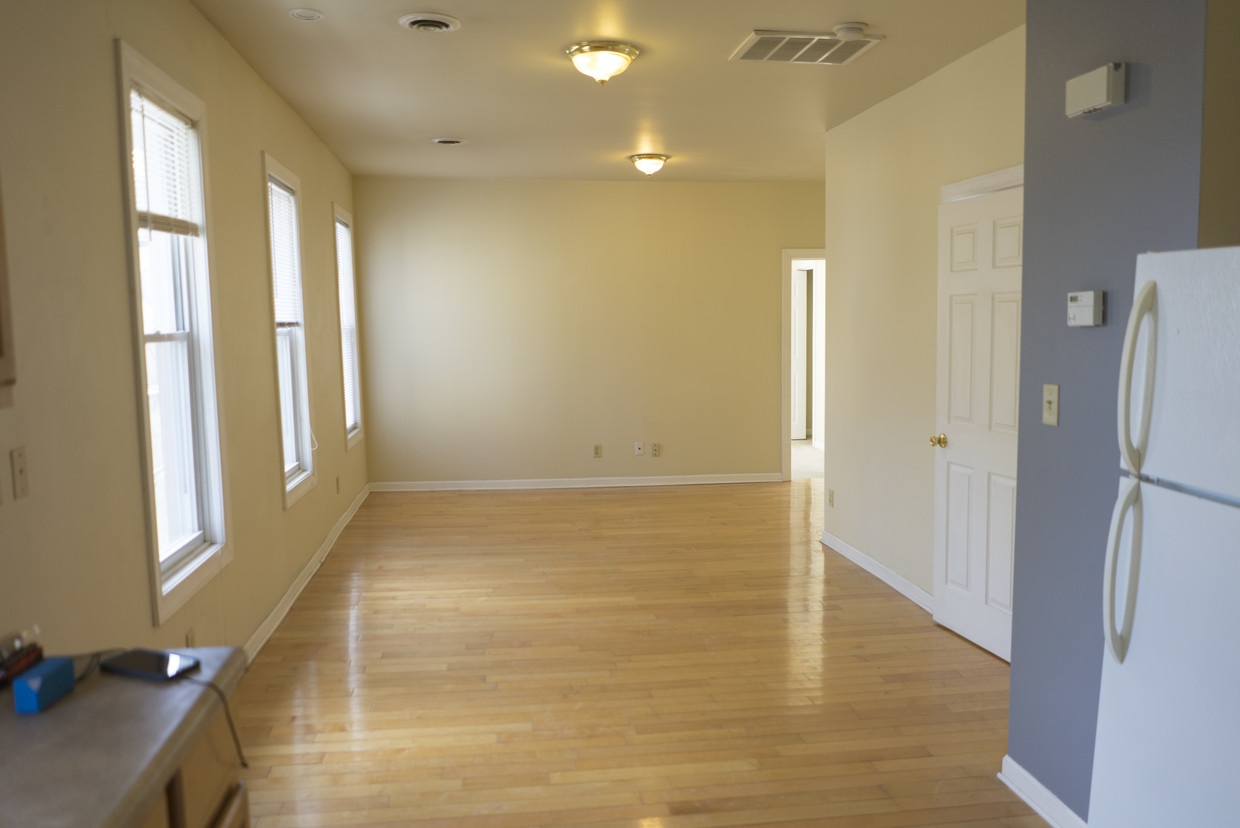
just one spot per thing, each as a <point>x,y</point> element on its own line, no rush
<point>426,22</point>
<point>843,45</point>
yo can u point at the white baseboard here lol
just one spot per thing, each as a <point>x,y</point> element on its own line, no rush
<point>572,482</point>
<point>888,576</point>
<point>273,620</point>
<point>1037,796</point>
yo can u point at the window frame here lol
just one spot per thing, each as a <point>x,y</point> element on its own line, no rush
<point>341,216</point>
<point>299,478</point>
<point>184,572</point>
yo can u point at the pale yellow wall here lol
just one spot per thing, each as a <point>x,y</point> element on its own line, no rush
<point>508,326</point>
<point>1219,217</point>
<point>72,554</point>
<point>884,171</point>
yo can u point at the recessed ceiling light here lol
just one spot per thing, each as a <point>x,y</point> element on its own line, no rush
<point>431,23</point>
<point>308,15</point>
<point>449,142</point>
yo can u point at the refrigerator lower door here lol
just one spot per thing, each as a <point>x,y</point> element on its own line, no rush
<point>1167,750</point>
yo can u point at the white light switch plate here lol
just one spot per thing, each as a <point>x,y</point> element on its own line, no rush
<point>1050,405</point>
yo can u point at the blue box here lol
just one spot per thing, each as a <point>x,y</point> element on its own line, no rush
<point>42,685</point>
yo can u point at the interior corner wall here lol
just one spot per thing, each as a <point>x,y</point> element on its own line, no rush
<point>73,553</point>
<point>1220,162</point>
<point>1099,190</point>
<point>884,172</point>
<point>509,326</point>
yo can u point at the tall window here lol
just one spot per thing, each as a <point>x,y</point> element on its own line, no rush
<point>348,326</point>
<point>167,212</point>
<point>297,442</point>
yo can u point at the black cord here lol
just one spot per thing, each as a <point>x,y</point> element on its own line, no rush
<point>227,714</point>
<point>92,663</point>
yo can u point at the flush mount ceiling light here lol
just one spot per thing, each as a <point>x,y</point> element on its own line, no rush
<point>602,59</point>
<point>430,23</point>
<point>648,162</point>
<point>306,15</point>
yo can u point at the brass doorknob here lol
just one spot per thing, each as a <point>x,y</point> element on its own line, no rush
<point>940,441</point>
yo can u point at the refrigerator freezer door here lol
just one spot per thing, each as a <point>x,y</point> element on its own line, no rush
<point>1166,747</point>
<point>1193,385</point>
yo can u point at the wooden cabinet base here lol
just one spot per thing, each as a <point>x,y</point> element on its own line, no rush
<point>236,811</point>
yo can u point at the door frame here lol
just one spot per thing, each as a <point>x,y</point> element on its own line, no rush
<point>785,375</point>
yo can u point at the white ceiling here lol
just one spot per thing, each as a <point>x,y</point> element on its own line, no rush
<point>378,93</point>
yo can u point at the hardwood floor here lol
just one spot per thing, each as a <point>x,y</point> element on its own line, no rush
<point>646,658</point>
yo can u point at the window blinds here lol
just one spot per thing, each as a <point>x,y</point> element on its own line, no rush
<point>285,264</point>
<point>164,147</point>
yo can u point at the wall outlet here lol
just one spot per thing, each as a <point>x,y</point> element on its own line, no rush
<point>639,448</point>
<point>21,481</point>
<point>655,448</point>
<point>831,498</point>
<point>337,484</point>
<point>190,638</point>
<point>598,450</point>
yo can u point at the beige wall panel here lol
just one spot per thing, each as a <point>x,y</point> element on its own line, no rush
<point>509,326</point>
<point>884,171</point>
<point>73,552</point>
<point>1219,219</point>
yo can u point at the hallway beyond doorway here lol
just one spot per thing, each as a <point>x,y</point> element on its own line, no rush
<point>807,461</point>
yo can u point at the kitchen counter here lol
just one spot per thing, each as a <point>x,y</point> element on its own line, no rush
<point>111,750</point>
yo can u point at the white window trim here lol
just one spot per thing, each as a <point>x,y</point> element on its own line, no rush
<point>300,482</point>
<point>172,588</point>
<point>354,436</point>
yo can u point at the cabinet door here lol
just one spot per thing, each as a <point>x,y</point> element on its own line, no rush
<point>209,776</point>
<point>158,817</point>
<point>236,813</point>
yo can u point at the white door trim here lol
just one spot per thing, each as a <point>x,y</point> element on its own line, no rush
<point>785,368</point>
<point>1008,179</point>
<point>799,369</point>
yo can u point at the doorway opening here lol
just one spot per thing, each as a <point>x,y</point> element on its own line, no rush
<point>804,370</point>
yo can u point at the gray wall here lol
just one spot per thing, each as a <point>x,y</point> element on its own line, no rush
<point>1099,190</point>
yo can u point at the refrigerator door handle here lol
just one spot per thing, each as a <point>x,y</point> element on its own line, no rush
<point>1130,451</point>
<point>1129,499</point>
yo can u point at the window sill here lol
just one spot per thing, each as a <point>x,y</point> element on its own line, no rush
<point>353,438</point>
<point>183,583</point>
<point>297,487</point>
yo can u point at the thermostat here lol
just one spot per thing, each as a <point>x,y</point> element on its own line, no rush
<point>1085,308</point>
<point>1096,90</point>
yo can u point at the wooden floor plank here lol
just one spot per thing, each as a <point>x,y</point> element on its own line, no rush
<point>645,658</point>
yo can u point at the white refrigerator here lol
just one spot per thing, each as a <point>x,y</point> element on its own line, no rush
<point>1167,748</point>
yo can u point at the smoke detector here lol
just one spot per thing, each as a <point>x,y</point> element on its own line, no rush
<point>850,31</point>
<point>843,44</point>
<point>431,23</point>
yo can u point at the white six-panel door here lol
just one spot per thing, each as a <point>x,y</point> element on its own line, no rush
<point>978,371</point>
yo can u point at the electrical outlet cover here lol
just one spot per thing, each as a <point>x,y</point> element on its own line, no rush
<point>21,479</point>
<point>1050,405</point>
